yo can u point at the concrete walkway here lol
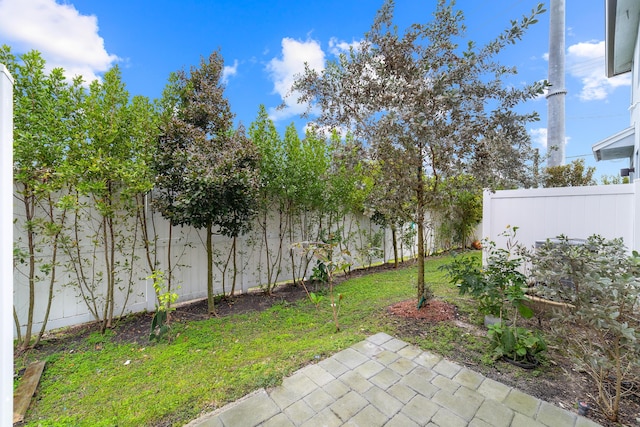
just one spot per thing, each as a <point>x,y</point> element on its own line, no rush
<point>383,381</point>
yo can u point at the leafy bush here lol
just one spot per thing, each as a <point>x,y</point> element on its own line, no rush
<point>603,283</point>
<point>515,343</point>
<point>490,284</point>
<point>499,287</point>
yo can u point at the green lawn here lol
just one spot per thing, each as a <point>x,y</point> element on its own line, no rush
<point>212,362</point>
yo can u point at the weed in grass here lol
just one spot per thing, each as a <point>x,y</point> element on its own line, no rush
<point>97,338</point>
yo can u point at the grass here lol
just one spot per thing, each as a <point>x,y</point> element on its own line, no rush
<point>212,362</point>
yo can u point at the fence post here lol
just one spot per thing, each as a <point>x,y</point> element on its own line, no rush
<point>6,247</point>
<point>635,245</point>
<point>486,214</point>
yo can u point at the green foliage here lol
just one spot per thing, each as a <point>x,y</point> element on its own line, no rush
<point>161,318</point>
<point>614,179</point>
<point>499,287</point>
<point>458,211</point>
<point>515,343</point>
<point>602,330</point>
<point>206,171</point>
<point>34,161</point>
<point>500,279</point>
<point>573,174</point>
<point>316,299</point>
<point>109,172</point>
<point>272,191</point>
<point>319,273</point>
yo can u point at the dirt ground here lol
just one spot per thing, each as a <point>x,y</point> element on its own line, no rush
<point>556,382</point>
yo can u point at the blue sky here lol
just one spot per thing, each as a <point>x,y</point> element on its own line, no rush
<point>265,43</point>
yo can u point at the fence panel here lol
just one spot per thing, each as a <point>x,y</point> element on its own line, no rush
<point>188,255</point>
<point>577,212</point>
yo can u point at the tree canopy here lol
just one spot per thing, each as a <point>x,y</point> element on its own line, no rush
<point>419,96</point>
<point>206,171</point>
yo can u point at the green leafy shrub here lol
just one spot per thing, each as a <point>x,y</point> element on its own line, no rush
<point>515,343</point>
<point>602,331</point>
<point>490,284</point>
<point>499,287</point>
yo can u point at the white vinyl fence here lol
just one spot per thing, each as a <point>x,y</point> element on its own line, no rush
<point>611,211</point>
<point>367,243</point>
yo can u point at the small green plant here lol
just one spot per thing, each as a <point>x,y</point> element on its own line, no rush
<point>316,299</point>
<point>602,329</point>
<point>319,274</point>
<point>162,317</point>
<point>329,260</point>
<point>515,343</point>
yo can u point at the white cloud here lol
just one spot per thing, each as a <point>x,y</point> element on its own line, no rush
<point>585,61</point>
<point>283,70</point>
<point>539,137</point>
<point>65,38</point>
<point>337,47</point>
<point>229,71</point>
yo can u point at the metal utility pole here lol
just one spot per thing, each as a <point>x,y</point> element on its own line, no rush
<point>557,91</point>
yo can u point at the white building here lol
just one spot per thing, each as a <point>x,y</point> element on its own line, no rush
<point>623,56</point>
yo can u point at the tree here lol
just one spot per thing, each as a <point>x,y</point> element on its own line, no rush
<point>304,173</point>
<point>206,171</point>
<point>446,109</point>
<point>45,105</point>
<point>110,170</point>
<point>572,175</point>
<point>272,195</point>
<point>390,201</point>
<point>459,212</point>
<point>349,182</point>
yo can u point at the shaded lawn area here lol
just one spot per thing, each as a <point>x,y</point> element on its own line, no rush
<point>212,362</point>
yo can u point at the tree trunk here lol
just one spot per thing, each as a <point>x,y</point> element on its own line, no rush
<point>105,312</point>
<point>169,265</point>
<point>265,236</point>
<point>420,221</point>
<point>394,238</point>
<point>421,287</point>
<point>293,261</point>
<point>235,266</point>
<point>29,206</point>
<point>54,261</point>
<point>210,295</point>
<point>17,322</point>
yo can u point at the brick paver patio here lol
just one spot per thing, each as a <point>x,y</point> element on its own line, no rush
<point>383,381</point>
